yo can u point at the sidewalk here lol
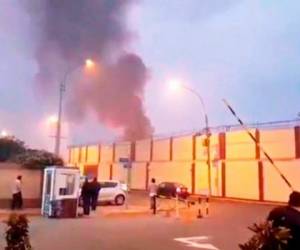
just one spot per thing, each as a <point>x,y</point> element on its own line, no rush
<point>4,213</point>
<point>115,211</point>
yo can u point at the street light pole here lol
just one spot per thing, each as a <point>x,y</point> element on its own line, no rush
<point>62,88</point>
<point>207,133</point>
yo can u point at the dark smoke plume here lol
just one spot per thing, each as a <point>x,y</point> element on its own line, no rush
<point>69,31</point>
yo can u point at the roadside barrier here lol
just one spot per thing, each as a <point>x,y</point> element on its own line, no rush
<point>202,204</point>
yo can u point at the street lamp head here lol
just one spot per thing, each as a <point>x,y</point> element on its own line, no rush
<point>89,63</point>
<point>52,119</point>
<point>175,85</point>
<point>4,133</point>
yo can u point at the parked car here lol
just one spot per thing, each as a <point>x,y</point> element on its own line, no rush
<point>169,189</point>
<point>111,191</point>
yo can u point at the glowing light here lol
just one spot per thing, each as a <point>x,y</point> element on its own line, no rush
<point>175,85</point>
<point>89,63</point>
<point>52,119</point>
<point>4,133</point>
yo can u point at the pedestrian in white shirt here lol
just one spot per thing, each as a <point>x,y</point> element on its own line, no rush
<point>17,200</point>
<point>153,194</point>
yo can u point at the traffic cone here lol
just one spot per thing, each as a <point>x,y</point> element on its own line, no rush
<point>207,206</point>
<point>199,216</point>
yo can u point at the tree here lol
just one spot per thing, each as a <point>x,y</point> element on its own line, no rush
<point>267,237</point>
<point>17,233</point>
<point>14,150</point>
<point>37,159</point>
<point>9,147</point>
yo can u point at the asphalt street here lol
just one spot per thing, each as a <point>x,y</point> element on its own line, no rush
<point>225,227</point>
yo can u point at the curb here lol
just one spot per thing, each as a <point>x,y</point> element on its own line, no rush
<point>6,215</point>
<point>125,213</point>
<point>244,201</point>
<point>30,213</point>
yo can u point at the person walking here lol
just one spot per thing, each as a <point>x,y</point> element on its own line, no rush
<point>95,189</point>
<point>17,199</point>
<point>289,217</point>
<point>153,195</point>
<point>86,196</point>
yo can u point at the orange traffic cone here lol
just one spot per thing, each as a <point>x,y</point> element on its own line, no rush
<point>199,216</point>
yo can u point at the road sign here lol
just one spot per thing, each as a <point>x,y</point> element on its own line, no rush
<point>197,242</point>
<point>124,160</point>
<point>127,165</point>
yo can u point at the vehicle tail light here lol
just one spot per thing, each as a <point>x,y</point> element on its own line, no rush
<point>184,190</point>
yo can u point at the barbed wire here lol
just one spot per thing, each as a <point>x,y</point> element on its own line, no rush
<point>271,125</point>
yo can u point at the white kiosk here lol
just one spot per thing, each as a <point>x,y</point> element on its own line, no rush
<point>60,192</point>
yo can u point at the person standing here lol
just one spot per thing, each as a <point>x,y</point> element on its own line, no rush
<point>153,195</point>
<point>86,196</point>
<point>289,217</point>
<point>17,199</point>
<point>95,189</point>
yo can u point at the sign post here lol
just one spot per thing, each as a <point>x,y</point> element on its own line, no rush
<point>127,165</point>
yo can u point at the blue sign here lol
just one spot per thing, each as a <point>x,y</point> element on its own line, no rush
<point>124,160</point>
<point>127,165</point>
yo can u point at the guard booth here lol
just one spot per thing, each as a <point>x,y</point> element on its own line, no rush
<point>60,192</point>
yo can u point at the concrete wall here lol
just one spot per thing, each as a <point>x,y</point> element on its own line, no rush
<point>72,159</point>
<point>83,154</point>
<point>139,176</point>
<point>104,171</point>
<point>171,171</point>
<point>107,153</point>
<point>183,148</point>
<point>280,143</point>
<point>216,178</point>
<point>31,184</point>
<point>274,187</point>
<point>242,180</point>
<point>161,150</point>
<point>119,172</point>
<point>93,154</point>
<point>143,150</point>
<point>122,150</point>
<point>75,155</point>
<point>201,148</point>
<point>238,168</point>
<point>239,146</point>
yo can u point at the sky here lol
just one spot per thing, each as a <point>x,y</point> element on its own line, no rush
<point>245,51</point>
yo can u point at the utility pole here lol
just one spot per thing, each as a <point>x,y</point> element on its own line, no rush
<point>62,89</point>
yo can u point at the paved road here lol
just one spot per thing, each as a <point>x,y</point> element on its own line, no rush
<point>226,227</point>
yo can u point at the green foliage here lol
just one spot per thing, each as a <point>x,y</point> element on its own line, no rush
<point>37,159</point>
<point>267,237</point>
<point>9,147</point>
<point>14,150</point>
<point>17,233</point>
